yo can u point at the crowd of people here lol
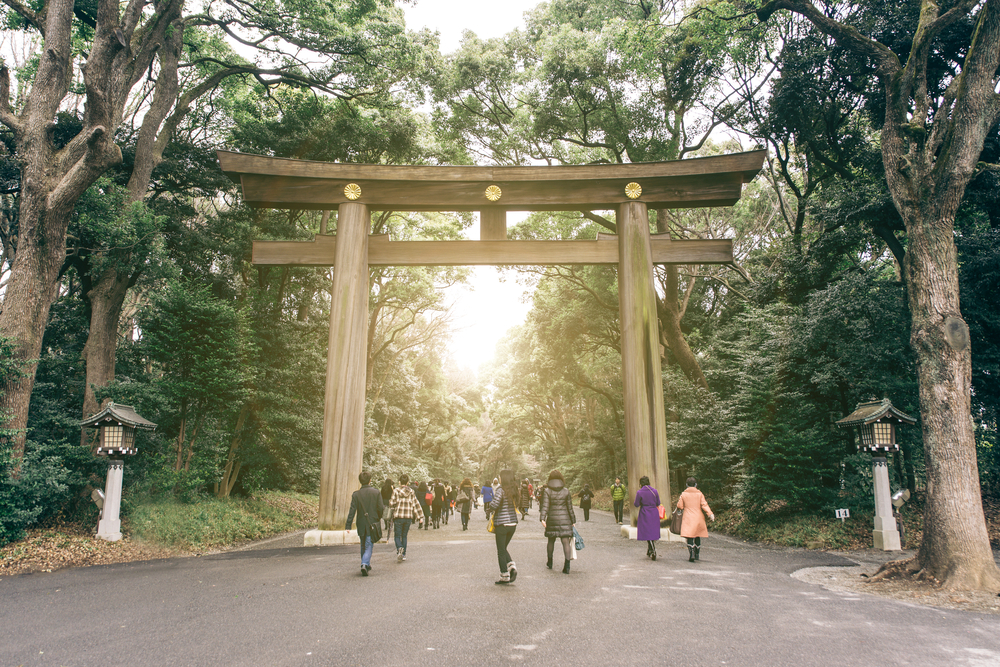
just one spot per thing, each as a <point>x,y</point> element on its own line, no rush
<point>394,508</point>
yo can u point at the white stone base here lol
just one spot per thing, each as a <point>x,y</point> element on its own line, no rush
<point>317,538</point>
<point>886,540</point>
<point>110,526</point>
<point>665,534</point>
<point>109,531</point>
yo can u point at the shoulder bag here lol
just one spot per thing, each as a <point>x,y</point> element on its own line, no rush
<point>374,527</point>
<point>676,519</point>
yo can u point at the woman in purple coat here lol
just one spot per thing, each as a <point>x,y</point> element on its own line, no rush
<point>648,523</point>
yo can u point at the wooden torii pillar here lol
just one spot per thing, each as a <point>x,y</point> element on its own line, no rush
<point>355,190</point>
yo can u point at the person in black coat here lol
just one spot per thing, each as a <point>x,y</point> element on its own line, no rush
<point>437,504</point>
<point>387,489</point>
<point>585,497</point>
<point>424,505</point>
<point>465,496</point>
<point>557,516</point>
<point>366,502</point>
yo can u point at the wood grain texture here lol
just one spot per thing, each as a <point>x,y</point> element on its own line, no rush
<point>493,224</point>
<point>645,425</point>
<point>383,252</point>
<point>237,164</point>
<point>344,406</point>
<point>266,191</point>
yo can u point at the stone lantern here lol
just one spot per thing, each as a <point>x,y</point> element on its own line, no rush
<point>117,425</point>
<point>876,422</point>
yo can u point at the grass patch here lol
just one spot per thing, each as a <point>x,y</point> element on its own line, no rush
<point>792,530</point>
<point>783,528</point>
<point>214,523</point>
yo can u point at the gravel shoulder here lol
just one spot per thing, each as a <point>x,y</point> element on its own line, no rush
<point>856,579</point>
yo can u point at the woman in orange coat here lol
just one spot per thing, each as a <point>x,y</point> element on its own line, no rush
<point>693,527</point>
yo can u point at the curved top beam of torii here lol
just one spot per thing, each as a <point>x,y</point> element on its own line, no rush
<point>697,182</point>
<point>302,184</point>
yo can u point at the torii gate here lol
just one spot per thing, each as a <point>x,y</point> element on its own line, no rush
<point>357,189</point>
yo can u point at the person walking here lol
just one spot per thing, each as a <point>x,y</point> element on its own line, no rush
<point>464,499</point>
<point>387,489</point>
<point>437,503</point>
<point>693,527</point>
<point>487,498</point>
<point>366,502</point>
<point>405,509</point>
<point>425,506</point>
<point>506,500</point>
<point>555,511</point>
<point>585,497</point>
<point>525,496</point>
<point>451,495</point>
<point>648,523</point>
<point>618,499</point>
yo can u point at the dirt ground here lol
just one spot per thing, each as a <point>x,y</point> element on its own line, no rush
<point>856,579</point>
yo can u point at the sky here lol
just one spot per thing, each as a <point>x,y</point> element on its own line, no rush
<point>483,312</point>
<point>451,17</point>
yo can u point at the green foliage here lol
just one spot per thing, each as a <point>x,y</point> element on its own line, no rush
<point>792,530</point>
<point>216,523</point>
<point>50,476</point>
<point>979,280</point>
<point>201,345</point>
<point>38,490</point>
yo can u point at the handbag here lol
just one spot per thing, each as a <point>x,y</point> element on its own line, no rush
<point>676,519</point>
<point>577,539</point>
<point>374,527</point>
<point>663,512</point>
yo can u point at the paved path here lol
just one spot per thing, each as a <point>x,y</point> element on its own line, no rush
<point>284,604</point>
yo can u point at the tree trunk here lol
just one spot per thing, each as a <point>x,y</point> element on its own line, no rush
<point>28,298</point>
<point>955,548</point>
<point>106,300</point>
<point>225,485</point>
<point>668,310</point>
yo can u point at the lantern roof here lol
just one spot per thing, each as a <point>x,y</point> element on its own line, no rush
<point>124,414</point>
<point>873,411</point>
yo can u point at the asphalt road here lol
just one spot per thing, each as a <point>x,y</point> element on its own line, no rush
<point>283,604</point>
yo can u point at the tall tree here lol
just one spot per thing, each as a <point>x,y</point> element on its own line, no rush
<point>165,59</point>
<point>932,136</point>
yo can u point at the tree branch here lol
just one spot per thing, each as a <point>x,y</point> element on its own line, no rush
<point>37,21</point>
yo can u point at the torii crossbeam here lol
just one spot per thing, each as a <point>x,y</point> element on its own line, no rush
<point>356,189</point>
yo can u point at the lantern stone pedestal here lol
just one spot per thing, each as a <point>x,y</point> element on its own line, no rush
<point>886,532</point>
<point>117,425</point>
<point>110,526</point>
<point>322,538</point>
<point>631,532</point>
<point>876,422</point>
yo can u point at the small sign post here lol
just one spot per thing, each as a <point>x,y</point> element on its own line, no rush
<point>843,514</point>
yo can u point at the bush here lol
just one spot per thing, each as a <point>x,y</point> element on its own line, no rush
<point>39,490</point>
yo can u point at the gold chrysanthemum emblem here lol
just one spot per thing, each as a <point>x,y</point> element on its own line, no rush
<point>352,191</point>
<point>633,190</point>
<point>493,193</point>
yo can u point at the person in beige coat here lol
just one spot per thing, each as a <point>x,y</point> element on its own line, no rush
<point>693,527</point>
